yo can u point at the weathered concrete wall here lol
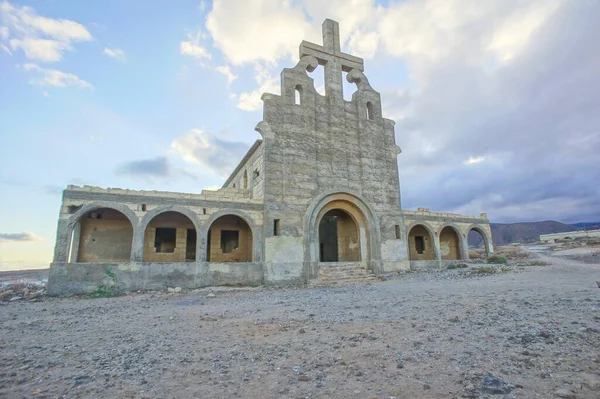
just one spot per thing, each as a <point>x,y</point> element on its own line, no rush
<point>316,155</point>
<point>141,207</point>
<point>449,244</point>
<point>249,174</point>
<point>550,238</point>
<point>448,232</point>
<point>105,236</point>
<point>243,253</point>
<point>425,248</point>
<point>174,220</point>
<point>87,278</point>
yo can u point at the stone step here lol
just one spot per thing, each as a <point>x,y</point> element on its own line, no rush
<point>343,273</point>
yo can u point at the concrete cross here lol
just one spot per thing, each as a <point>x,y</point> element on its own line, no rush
<point>331,57</point>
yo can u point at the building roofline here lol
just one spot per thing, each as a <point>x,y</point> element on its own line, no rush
<point>250,152</point>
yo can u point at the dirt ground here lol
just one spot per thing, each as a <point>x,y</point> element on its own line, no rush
<point>529,331</point>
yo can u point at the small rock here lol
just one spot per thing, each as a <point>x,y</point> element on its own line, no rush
<point>177,289</point>
<point>564,393</point>
<point>495,386</point>
<point>211,295</point>
<point>302,331</point>
<point>15,298</point>
<point>303,378</point>
<point>426,386</point>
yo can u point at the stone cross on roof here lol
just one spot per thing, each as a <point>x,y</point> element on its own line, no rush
<point>331,57</point>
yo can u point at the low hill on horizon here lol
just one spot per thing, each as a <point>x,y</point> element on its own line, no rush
<point>524,232</point>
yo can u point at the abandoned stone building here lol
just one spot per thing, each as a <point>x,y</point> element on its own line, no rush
<point>315,200</point>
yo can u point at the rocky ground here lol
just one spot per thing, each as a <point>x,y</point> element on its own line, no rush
<point>531,330</point>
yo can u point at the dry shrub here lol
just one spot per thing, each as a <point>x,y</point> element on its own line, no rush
<point>477,253</point>
<point>512,252</point>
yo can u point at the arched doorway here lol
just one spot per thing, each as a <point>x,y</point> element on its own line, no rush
<point>449,244</point>
<point>102,235</point>
<point>338,237</point>
<point>170,237</point>
<point>420,243</point>
<point>478,244</point>
<point>229,240</point>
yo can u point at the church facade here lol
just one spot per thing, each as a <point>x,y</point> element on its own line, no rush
<point>315,200</point>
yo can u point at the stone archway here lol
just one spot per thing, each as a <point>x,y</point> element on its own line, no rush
<point>420,243</point>
<point>101,235</point>
<point>479,244</point>
<point>338,237</point>
<point>362,215</point>
<point>229,239</point>
<point>450,243</point>
<point>169,236</point>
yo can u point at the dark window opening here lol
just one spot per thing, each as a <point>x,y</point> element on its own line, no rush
<point>233,185</point>
<point>370,115</point>
<point>256,173</point>
<point>164,240</point>
<point>276,227</point>
<point>73,208</point>
<point>143,207</point>
<point>204,211</point>
<point>245,179</point>
<point>230,240</point>
<point>298,95</point>
<point>420,244</point>
<point>190,246</point>
<point>398,236</point>
<point>95,215</point>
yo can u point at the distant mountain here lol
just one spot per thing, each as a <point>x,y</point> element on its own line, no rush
<point>587,225</point>
<point>508,233</point>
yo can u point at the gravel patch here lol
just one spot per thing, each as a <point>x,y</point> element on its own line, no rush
<point>532,334</point>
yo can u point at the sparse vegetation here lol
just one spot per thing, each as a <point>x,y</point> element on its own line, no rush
<point>107,289</point>
<point>453,266</point>
<point>497,259</point>
<point>536,263</point>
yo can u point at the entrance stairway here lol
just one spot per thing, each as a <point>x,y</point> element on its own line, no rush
<point>331,273</point>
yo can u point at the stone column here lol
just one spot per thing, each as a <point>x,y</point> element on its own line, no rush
<point>75,238</point>
<point>61,247</point>
<point>137,244</point>
<point>436,248</point>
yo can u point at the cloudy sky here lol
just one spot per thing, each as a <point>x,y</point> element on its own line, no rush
<point>496,103</point>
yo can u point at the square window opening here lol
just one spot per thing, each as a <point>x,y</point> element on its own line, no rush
<point>164,240</point>
<point>230,240</point>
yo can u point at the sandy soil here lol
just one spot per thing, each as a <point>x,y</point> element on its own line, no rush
<point>421,335</point>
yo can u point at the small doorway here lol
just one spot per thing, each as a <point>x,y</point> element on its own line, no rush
<point>338,237</point>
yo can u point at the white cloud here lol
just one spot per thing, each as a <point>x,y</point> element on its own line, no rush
<point>364,45</point>
<point>115,53</point>
<point>56,78</point>
<point>267,83</point>
<point>4,48</point>
<point>40,38</point>
<point>226,70</point>
<point>16,237</point>
<point>256,30</point>
<point>203,148</point>
<point>193,49</point>
<point>474,160</point>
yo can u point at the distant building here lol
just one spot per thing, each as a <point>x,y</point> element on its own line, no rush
<point>551,238</point>
<point>320,189</point>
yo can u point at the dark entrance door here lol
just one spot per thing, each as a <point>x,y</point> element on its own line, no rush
<point>328,239</point>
